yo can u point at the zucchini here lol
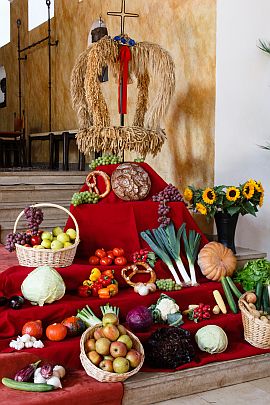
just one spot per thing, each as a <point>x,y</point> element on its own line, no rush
<point>228,294</point>
<point>258,292</point>
<point>26,386</point>
<point>233,287</point>
<point>265,299</point>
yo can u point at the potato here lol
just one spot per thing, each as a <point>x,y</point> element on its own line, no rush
<point>251,297</point>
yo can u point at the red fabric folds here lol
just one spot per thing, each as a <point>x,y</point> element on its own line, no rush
<point>124,58</point>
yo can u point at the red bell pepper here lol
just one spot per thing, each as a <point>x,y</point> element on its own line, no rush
<point>84,290</point>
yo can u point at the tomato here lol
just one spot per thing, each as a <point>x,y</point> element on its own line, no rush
<point>118,252</point>
<point>28,232</point>
<point>106,261</point>
<point>120,261</point>
<point>100,253</point>
<point>94,260</point>
<point>110,254</point>
<point>35,240</point>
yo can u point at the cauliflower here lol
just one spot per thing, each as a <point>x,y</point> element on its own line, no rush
<point>166,306</point>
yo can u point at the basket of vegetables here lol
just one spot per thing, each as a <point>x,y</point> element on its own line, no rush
<point>256,316</point>
<point>39,248</point>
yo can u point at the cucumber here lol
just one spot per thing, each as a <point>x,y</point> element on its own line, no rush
<point>265,299</point>
<point>258,292</point>
<point>228,294</point>
<point>26,386</point>
<point>233,287</point>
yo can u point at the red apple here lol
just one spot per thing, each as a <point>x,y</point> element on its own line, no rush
<point>90,345</point>
<point>27,245</point>
<point>133,357</point>
<point>103,346</point>
<point>118,349</point>
<point>106,365</point>
<point>28,232</point>
<point>35,240</point>
<point>98,333</point>
<point>94,357</point>
<point>111,332</point>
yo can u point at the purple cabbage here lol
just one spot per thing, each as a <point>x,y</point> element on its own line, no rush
<point>139,319</point>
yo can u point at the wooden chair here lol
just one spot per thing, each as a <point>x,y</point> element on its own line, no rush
<point>13,146</point>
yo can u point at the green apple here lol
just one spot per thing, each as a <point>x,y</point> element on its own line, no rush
<point>38,247</point>
<point>46,243</point>
<point>71,233</point>
<point>120,365</point>
<point>57,230</point>
<point>126,339</point>
<point>56,245</point>
<point>63,237</point>
<point>46,235</point>
<point>67,244</point>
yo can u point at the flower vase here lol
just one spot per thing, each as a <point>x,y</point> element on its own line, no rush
<point>226,225</point>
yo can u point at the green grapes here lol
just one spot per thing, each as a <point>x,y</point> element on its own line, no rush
<point>85,197</point>
<point>139,159</point>
<point>105,160</point>
<point>167,284</point>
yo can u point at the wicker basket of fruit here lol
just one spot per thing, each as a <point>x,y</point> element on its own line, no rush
<point>256,323</point>
<point>124,358</point>
<point>45,251</point>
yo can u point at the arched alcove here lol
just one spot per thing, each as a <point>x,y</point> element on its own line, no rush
<point>3,87</point>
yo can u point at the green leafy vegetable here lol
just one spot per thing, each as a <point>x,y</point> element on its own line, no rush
<point>253,272</point>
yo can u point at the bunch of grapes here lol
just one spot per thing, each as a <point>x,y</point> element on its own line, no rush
<point>167,284</point>
<point>200,313</point>
<point>105,160</point>
<point>34,217</point>
<point>85,197</point>
<point>139,160</point>
<point>169,194</point>
<point>18,237</point>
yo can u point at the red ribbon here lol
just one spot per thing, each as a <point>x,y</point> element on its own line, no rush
<point>124,57</point>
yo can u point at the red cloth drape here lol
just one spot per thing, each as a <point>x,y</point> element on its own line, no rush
<point>124,58</point>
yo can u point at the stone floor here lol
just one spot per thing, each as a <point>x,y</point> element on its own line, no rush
<point>255,392</point>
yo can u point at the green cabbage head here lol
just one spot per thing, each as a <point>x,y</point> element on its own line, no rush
<point>211,339</point>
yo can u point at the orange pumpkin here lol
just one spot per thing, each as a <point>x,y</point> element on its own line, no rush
<point>75,326</point>
<point>33,328</point>
<point>216,260</point>
<point>56,332</point>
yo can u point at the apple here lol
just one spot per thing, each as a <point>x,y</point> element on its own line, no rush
<point>94,357</point>
<point>111,332</point>
<point>109,357</point>
<point>27,245</point>
<point>35,240</point>
<point>125,339</point>
<point>71,233</point>
<point>121,365</point>
<point>46,235</point>
<point>67,244</point>
<point>56,245</point>
<point>106,365</point>
<point>57,230</point>
<point>133,357</point>
<point>110,318</point>
<point>122,330</point>
<point>63,237</point>
<point>38,247</point>
<point>103,346</point>
<point>118,349</point>
<point>90,345</point>
<point>46,243</point>
<point>98,333</point>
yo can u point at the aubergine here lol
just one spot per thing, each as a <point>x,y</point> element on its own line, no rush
<point>16,301</point>
<point>3,301</point>
<point>26,373</point>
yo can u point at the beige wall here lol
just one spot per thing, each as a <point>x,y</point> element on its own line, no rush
<point>186,28</point>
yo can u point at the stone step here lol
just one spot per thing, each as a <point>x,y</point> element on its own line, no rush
<point>25,178</point>
<point>10,211</point>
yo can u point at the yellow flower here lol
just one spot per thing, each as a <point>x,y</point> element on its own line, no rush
<point>201,208</point>
<point>209,196</point>
<point>259,187</point>
<point>261,200</point>
<point>248,190</point>
<point>232,193</point>
<point>188,194</point>
<point>251,181</point>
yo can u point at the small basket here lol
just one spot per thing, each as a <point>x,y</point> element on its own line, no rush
<point>256,332</point>
<point>106,376</point>
<point>30,257</point>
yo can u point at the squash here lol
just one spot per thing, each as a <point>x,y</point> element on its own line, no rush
<point>216,260</point>
<point>33,328</point>
<point>56,332</point>
<point>75,326</point>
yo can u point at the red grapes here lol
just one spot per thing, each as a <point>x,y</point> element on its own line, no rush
<point>169,194</point>
<point>34,217</point>
<point>19,237</point>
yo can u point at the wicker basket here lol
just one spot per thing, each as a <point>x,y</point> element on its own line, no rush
<point>256,332</point>
<point>99,374</point>
<point>31,257</point>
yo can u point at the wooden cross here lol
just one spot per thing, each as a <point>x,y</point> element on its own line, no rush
<point>122,14</point>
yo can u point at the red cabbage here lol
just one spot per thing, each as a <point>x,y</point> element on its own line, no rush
<point>139,319</point>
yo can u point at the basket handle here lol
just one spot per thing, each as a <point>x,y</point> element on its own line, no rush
<point>54,206</point>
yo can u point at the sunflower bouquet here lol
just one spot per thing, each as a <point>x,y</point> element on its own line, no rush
<point>244,199</point>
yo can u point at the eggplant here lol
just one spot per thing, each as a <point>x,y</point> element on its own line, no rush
<point>26,373</point>
<point>3,301</point>
<point>46,371</point>
<point>16,301</point>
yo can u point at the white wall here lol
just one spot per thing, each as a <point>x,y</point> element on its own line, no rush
<point>243,108</point>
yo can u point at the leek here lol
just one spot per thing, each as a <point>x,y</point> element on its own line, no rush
<point>192,244</point>
<point>88,316</point>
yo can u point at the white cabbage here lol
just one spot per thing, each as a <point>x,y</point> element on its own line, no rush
<point>211,339</point>
<point>43,285</point>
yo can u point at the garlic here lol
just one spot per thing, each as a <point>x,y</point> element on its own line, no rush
<point>143,290</point>
<point>60,370</point>
<point>37,371</point>
<point>33,339</point>
<point>38,379</point>
<point>13,344</point>
<point>55,381</point>
<point>38,344</point>
<point>137,286</point>
<point>216,310</point>
<point>25,338</point>
<point>19,346</point>
<point>29,344</point>
<point>151,287</point>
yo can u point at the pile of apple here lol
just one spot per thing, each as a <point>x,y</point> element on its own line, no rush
<point>55,240</point>
<point>103,258</point>
<point>111,349</point>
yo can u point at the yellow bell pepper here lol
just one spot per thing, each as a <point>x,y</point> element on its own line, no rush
<point>88,283</point>
<point>95,274</point>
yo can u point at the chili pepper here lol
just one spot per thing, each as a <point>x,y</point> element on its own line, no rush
<point>84,290</point>
<point>95,287</point>
<point>109,273</point>
<point>104,293</point>
<point>95,274</point>
<point>88,282</point>
<point>113,289</point>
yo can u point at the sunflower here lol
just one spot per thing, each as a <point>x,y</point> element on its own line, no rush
<point>201,208</point>
<point>261,200</point>
<point>232,193</point>
<point>188,194</point>
<point>253,182</point>
<point>209,196</point>
<point>248,190</point>
<point>259,187</point>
